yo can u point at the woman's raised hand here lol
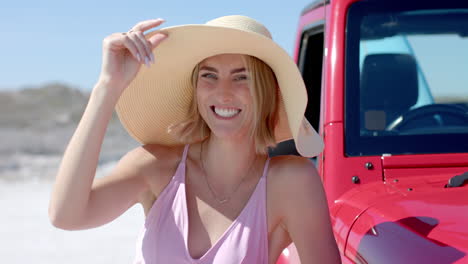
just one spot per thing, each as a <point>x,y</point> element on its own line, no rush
<point>77,200</point>
<point>124,53</point>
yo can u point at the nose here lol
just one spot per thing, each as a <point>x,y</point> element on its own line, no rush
<point>224,92</point>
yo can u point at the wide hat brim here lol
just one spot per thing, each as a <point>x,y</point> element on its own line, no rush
<point>160,96</point>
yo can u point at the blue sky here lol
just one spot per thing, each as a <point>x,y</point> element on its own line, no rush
<point>46,41</point>
<point>60,41</point>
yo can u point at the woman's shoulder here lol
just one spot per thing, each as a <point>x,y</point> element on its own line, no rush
<point>153,156</point>
<point>295,186</point>
<point>155,163</point>
<point>291,174</point>
<point>287,165</point>
<point>159,154</point>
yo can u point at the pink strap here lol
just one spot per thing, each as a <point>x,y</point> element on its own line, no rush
<point>184,156</point>
<point>265,168</point>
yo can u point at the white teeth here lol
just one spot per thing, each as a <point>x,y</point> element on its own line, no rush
<point>225,112</point>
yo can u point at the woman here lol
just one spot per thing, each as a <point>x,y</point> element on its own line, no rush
<point>214,99</point>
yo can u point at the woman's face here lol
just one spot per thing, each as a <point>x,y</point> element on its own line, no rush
<point>223,95</point>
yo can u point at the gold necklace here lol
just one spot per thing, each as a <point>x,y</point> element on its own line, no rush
<point>205,175</point>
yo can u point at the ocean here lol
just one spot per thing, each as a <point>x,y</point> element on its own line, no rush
<point>36,124</point>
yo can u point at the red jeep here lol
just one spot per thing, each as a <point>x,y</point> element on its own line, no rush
<point>388,90</point>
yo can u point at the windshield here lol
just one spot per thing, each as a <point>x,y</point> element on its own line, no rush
<point>406,78</point>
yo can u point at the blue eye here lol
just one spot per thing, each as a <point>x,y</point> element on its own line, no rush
<point>209,76</point>
<point>241,78</point>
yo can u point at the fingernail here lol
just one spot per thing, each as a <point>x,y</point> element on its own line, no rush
<point>152,58</point>
<point>138,57</point>
<point>147,62</point>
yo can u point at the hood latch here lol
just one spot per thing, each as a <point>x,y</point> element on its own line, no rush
<point>457,181</point>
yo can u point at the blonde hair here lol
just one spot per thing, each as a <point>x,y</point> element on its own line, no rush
<point>264,91</point>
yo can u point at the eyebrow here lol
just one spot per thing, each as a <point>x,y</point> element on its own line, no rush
<point>238,70</point>
<point>208,68</point>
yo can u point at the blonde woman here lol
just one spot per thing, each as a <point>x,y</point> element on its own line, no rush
<point>206,107</point>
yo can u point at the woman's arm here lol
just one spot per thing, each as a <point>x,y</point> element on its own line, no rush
<point>305,212</point>
<point>76,202</point>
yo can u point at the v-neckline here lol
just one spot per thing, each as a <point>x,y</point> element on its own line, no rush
<point>185,228</point>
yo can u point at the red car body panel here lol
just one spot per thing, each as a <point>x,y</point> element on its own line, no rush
<point>418,226</point>
<point>399,211</point>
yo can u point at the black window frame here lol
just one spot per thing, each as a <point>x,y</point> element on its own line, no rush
<point>314,92</point>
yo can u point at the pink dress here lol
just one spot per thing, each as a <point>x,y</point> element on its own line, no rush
<point>163,239</point>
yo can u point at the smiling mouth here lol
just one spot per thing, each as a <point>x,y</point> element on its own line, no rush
<point>225,112</point>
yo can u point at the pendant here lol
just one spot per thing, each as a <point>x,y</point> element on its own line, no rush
<point>225,200</point>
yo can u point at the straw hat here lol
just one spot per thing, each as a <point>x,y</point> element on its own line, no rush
<point>160,96</point>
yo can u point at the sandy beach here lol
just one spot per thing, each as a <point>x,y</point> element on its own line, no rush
<point>26,235</point>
